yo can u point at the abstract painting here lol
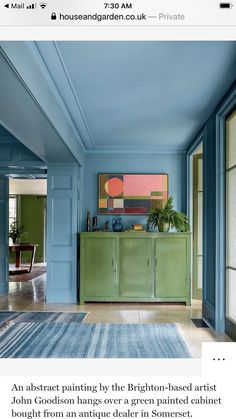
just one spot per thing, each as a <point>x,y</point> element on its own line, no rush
<point>131,193</point>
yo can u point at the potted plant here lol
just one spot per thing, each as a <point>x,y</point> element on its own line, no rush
<point>16,232</point>
<point>166,218</point>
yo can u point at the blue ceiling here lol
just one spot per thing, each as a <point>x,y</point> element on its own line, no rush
<point>146,96</point>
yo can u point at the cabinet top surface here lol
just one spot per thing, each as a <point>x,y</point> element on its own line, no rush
<point>133,234</point>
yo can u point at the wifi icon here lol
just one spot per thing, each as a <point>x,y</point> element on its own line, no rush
<point>43,5</point>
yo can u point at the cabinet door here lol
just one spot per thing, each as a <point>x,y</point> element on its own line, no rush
<point>171,267</point>
<point>136,268</point>
<point>99,267</point>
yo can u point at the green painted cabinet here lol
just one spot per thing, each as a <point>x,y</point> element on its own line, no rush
<point>170,257</point>
<point>99,261</point>
<point>135,267</point>
<point>145,267</point>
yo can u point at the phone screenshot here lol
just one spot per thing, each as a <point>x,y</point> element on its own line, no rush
<point>117,209</point>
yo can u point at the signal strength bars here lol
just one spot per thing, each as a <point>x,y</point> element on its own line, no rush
<point>32,6</point>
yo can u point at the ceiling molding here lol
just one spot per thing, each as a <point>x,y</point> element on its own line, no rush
<point>24,172</point>
<point>87,140</point>
<point>139,150</point>
<point>51,51</point>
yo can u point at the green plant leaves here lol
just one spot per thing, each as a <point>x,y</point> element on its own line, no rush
<point>16,231</point>
<point>167,215</point>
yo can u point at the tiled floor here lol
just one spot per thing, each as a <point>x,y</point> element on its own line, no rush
<point>31,296</point>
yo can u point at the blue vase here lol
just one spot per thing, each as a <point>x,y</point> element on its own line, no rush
<point>117,225</point>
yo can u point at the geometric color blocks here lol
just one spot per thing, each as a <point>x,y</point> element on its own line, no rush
<point>131,193</point>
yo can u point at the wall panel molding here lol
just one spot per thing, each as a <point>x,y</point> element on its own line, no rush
<point>62,220</point>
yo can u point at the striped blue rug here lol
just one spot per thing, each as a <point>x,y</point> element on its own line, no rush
<point>88,340</point>
<point>7,317</point>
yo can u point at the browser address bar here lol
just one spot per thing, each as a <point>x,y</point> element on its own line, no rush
<point>135,13</point>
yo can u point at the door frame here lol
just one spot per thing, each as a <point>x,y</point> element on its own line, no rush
<point>4,218</point>
<point>196,292</point>
<point>196,143</point>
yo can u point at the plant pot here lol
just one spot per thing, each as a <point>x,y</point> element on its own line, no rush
<point>163,227</point>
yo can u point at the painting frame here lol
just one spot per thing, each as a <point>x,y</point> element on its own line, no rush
<point>130,202</point>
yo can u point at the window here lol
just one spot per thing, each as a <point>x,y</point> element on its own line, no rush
<point>12,209</point>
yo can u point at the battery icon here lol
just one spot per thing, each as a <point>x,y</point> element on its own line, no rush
<point>226,5</point>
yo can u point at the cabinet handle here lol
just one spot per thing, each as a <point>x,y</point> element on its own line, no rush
<point>113,264</point>
<point>156,264</point>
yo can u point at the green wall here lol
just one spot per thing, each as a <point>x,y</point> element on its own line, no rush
<point>31,215</point>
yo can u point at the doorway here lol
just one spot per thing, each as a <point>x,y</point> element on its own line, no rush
<point>27,214</point>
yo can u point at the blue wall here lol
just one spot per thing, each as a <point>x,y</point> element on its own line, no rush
<point>172,164</point>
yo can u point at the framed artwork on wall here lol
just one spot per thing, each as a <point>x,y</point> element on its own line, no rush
<point>131,194</point>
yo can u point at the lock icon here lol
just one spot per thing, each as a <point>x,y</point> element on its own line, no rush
<point>53,16</point>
